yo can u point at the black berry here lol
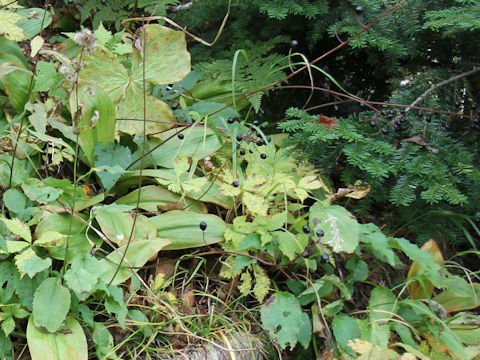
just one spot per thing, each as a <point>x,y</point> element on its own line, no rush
<point>263,156</point>
<point>181,136</point>
<point>263,127</point>
<point>383,112</point>
<point>359,9</point>
<point>373,123</point>
<point>325,257</point>
<point>237,146</point>
<point>385,131</point>
<point>175,106</point>
<point>320,233</point>
<point>294,43</point>
<point>402,120</point>
<point>260,142</point>
<point>103,2</point>
<point>70,1</point>
<point>239,137</point>
<point>428,118</point>
<point>256,122</point>
<point>372,91</point>
<point>420,113</point>
<point>457,104</point>
<point>306,254</point>
<point>474,106</point>
<point>306,229</point>
<point>448,126</point>
<point>235,183</point>
<point>242,152</point>
<point>269,138</point>
<point>230,120</point>
<point>203,226</point>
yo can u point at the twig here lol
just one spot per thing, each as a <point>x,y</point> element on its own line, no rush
<point>440,84</point>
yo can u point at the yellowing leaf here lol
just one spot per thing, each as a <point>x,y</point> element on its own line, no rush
<point>28,262</point>
<point>262,283</point>
<point>36,45</point>
<point>8,28</point>
<point>310,182</point>
<point>246,283</point>
<point>425,290</point>
<point>17,227</point>
<point>50,239</point>
<point>257,205</point>
<point>180,164</point>
<point>359,192</point>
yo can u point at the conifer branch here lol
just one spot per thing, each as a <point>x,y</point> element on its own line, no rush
<point>442,83</point>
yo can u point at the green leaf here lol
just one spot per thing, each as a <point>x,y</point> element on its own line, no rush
<point>383,300</point>
<point>102,35</point>
<point>8,325</point>
<point>46,76</point>
<point>137,255</point>
<point>288,244</point>
<point>102,339</point>
<point>460,295</point>
<point>51,303</point>
<point>116,226</point>
<point>70,343</point>
<point>318,288</point>
<point>81,281</point>
<point>345,328</point>
<point>14,200</point>
<point>111,155</point>
<point>28,262</point>
<point>97,117</point>
<point>378,243</point>
<point>33,21</point>
<point>340,227</point>
<point>38,191</point>
<point>282,316</point>
<point>17,227</point>
<point>182,228</point>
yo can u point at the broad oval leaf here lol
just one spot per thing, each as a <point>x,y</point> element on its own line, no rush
<point>182,228</point>
<point>198,142</point>
<point>60,223</point>
<point>51,303</point>
<point>69,343</point>
<point>137,255</point>
<point>164,50</point>
<point>96,117</point>
<point>154,198</point>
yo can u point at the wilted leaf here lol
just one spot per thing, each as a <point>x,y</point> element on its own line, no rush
<point>424,290</point>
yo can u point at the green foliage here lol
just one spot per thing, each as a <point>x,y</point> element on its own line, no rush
<point>91,193</point>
